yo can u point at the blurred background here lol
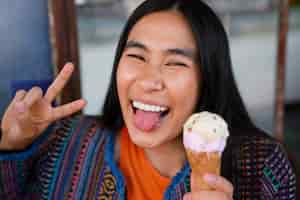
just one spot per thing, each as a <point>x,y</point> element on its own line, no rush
<point>38,36</point>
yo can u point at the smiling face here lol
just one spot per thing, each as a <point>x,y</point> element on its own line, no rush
<point>158,78</point>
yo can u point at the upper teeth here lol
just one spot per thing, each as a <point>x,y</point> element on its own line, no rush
<point>147,107</point>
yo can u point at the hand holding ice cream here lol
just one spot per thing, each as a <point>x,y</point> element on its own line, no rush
<point>204,138</point>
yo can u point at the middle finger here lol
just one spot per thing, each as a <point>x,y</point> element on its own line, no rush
<point>59,82</point>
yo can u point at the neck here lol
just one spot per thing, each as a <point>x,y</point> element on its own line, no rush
<point>168,158</point>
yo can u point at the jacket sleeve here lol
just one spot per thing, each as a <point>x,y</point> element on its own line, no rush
<point>20,172</point>
<point>277,177</point>
<point>264,171</point>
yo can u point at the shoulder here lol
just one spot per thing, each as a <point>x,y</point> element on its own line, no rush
<point>79,132</point>
<point>259,146</point>
<point>81,125</point>
<point>257,143</point>
<point>264,167</point>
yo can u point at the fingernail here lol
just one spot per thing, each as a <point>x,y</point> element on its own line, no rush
<point>68,67</point>
<point>187,197</point>
<point>210,178</point>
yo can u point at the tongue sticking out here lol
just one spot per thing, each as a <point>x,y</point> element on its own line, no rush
<point>146,120</point>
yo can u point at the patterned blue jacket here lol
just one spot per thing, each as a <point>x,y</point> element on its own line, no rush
<point>76,161</point>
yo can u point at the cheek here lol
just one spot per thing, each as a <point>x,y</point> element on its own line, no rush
<point>126,76</point>
<point>185,90</point>
<point>184,95</point>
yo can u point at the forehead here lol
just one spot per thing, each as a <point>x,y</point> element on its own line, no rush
<point>164,29</point>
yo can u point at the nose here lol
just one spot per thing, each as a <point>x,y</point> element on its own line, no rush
<point>152,81</point>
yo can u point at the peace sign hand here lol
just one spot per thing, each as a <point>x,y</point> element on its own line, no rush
<point>30,113</point>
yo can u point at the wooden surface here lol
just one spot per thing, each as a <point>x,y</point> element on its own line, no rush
<point>63,23</point>
<point>281,63</point>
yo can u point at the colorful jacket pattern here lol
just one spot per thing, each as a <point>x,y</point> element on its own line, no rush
<point>75,160</point>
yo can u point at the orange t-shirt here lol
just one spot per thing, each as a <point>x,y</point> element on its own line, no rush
<point>143,181</point>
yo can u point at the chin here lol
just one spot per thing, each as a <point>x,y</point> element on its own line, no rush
<point>143,140</point>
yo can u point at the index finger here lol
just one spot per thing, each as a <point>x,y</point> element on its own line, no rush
<point>59,83</point>
<point>68,109</point>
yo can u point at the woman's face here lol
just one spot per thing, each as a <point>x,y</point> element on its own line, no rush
<point>158,78</point>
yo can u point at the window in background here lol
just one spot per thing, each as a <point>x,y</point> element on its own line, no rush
<point>253,35</point>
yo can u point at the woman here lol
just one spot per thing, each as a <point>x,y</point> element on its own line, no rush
<point>172,60</point>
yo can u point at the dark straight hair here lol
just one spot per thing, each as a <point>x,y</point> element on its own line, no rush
<point>219,93</point>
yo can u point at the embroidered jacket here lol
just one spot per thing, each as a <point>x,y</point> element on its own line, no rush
<point>76,161</point>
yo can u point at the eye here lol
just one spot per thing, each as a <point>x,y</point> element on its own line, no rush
<point>136,56</point>
<point>180,64</point>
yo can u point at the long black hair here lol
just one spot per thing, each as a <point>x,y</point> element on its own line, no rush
<point>219,93</point>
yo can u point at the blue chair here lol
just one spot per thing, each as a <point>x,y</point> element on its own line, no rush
<point>25,50</point>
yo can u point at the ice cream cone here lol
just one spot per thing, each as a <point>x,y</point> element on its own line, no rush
<point>204,139</point>
<point>202,163</point>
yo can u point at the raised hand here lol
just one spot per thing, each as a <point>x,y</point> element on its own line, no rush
<point>30,113</point>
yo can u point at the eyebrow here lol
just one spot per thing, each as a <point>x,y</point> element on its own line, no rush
<point>135,44</point>
<point>189,53</point>
<point>182,52</point>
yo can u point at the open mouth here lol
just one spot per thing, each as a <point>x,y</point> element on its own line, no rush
<point>162,110</point>
<point>148,117</point>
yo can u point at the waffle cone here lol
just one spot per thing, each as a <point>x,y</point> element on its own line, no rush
<point>202,163</point>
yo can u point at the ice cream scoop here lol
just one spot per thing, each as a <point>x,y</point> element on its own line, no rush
<point>204,138</point>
